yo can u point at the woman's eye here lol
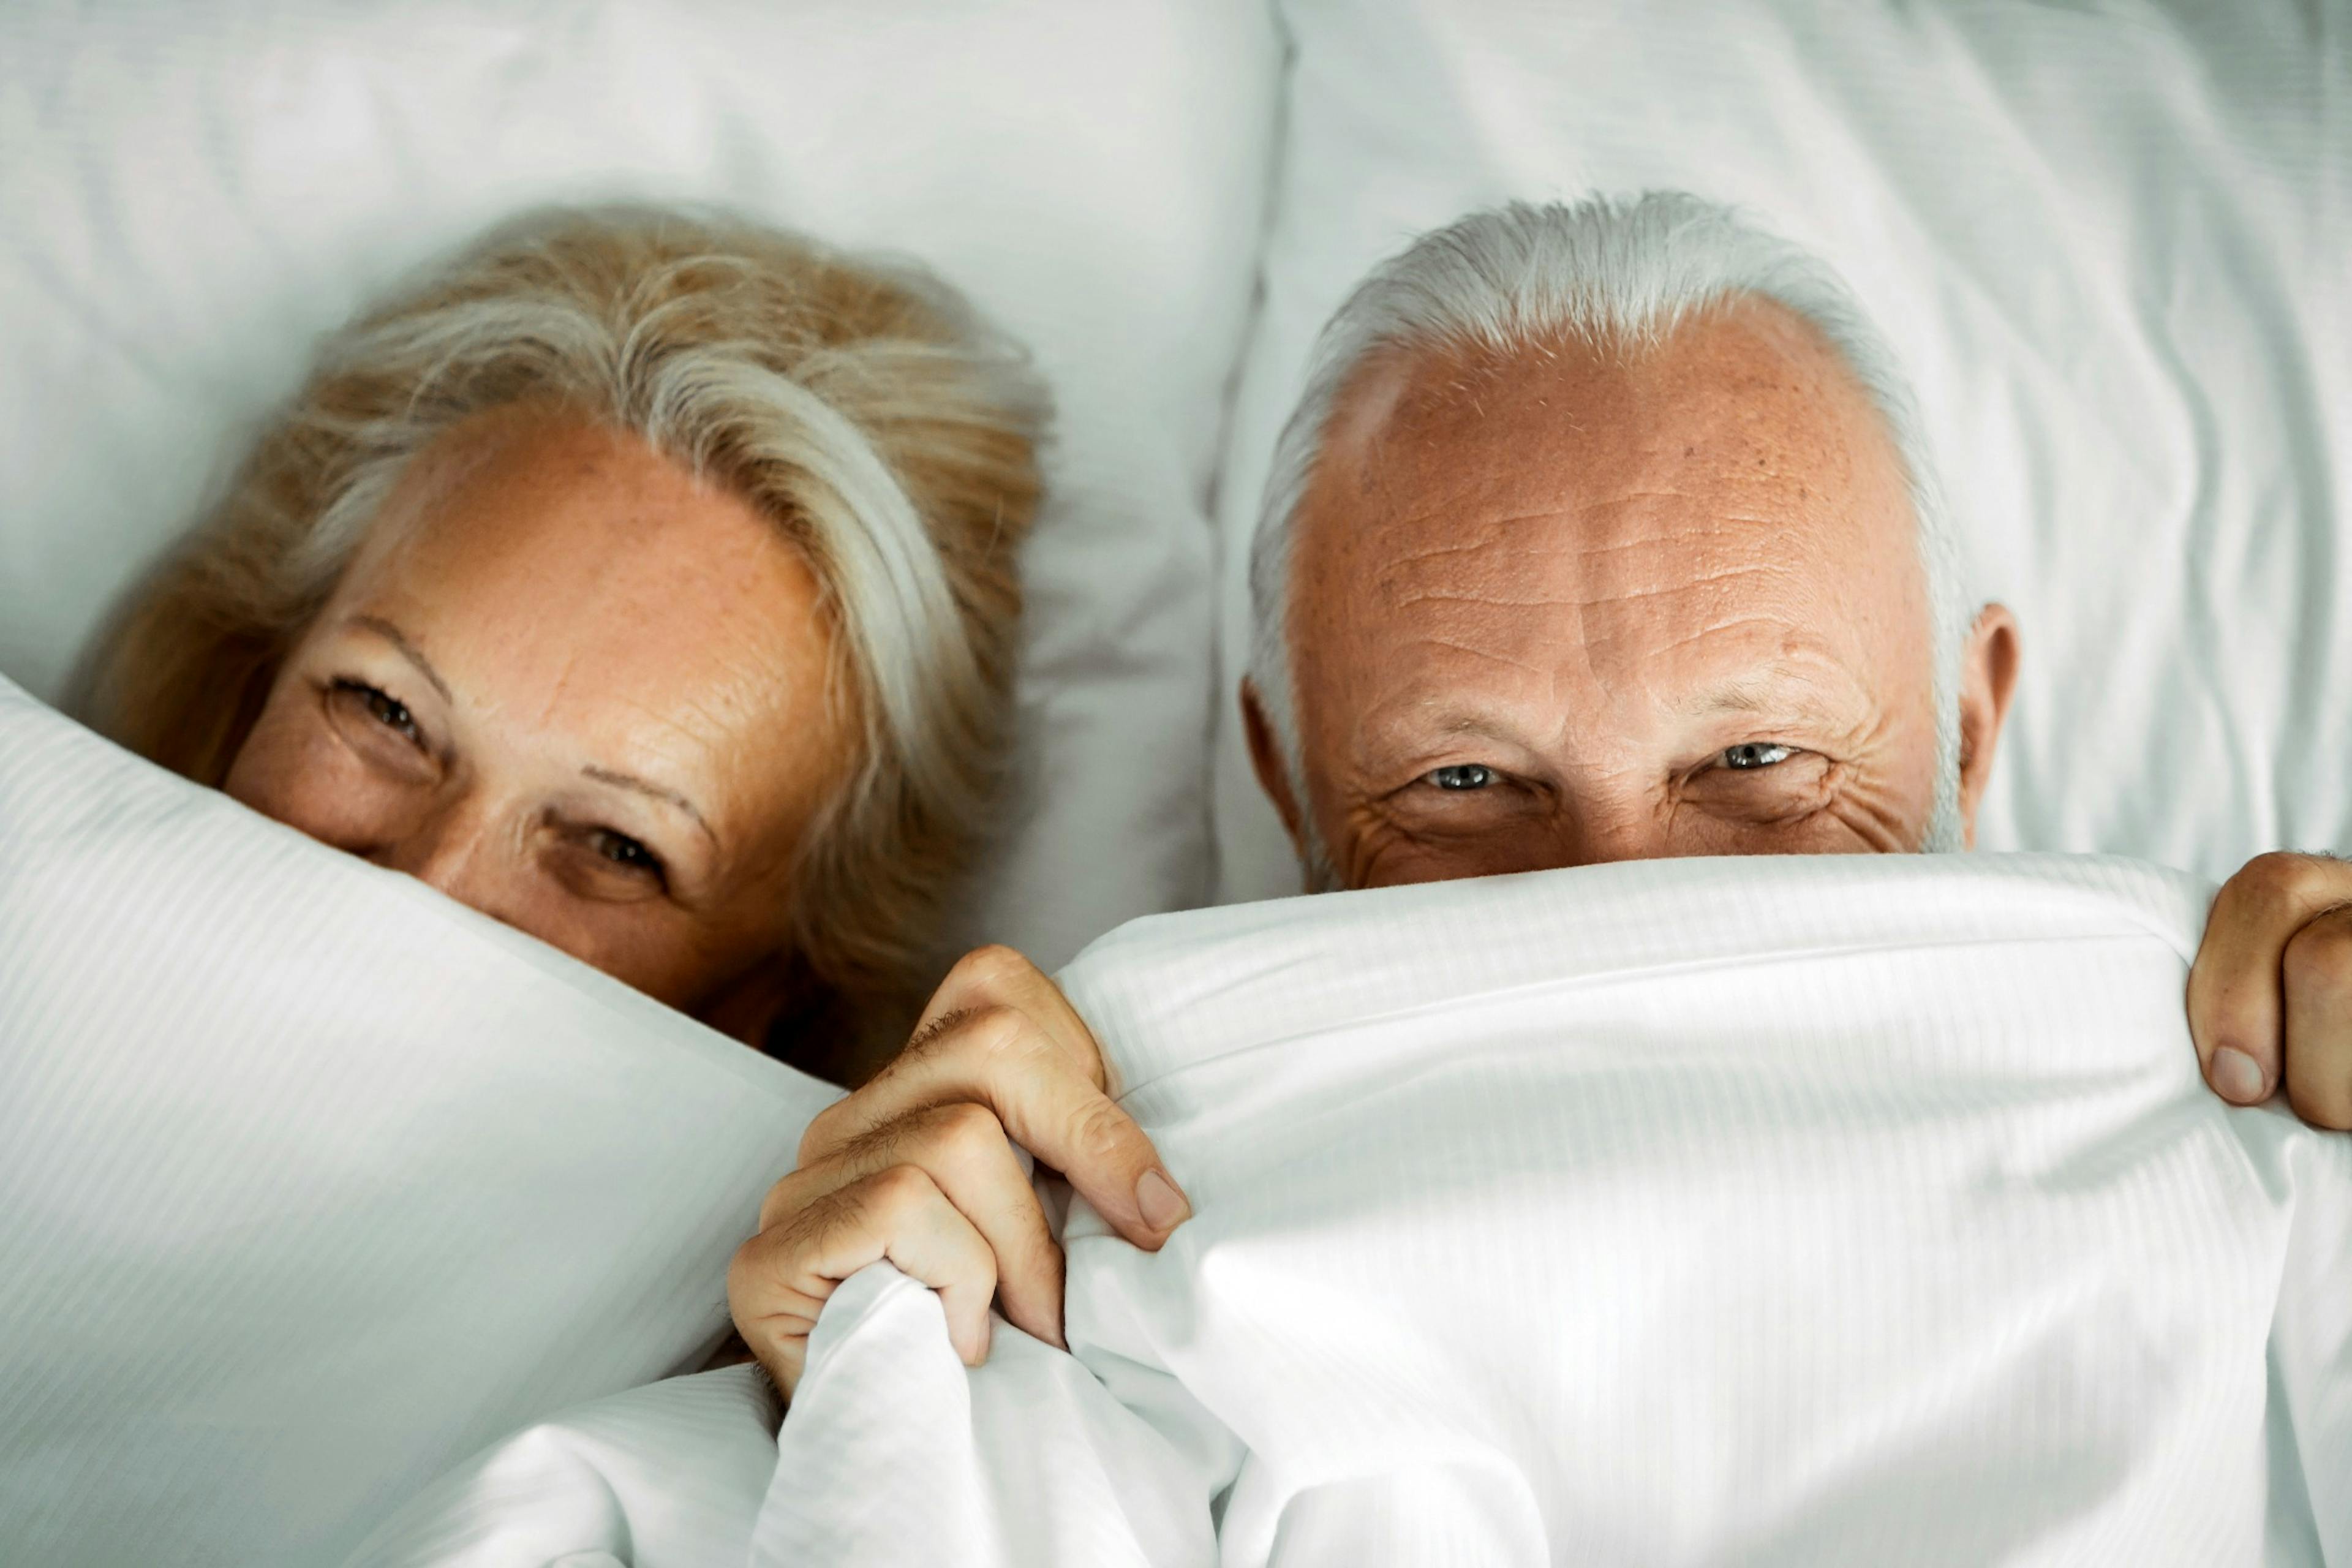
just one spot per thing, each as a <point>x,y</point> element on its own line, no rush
<point>1461,776</point>
<point>624,851</point>
<point>386,710</point>
<point>1756,754</point>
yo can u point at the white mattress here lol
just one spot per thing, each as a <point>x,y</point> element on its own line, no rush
<point>1779,1211</point>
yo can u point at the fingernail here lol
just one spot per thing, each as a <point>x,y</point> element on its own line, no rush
<point>1163,1207</point>
<point>2235,1077</point>
<point>975,1351</point>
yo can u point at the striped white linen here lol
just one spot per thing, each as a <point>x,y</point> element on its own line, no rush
<point>1788,1211</point>
<point>311,1181</point>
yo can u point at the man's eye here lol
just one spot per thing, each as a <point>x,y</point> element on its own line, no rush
<point>1462,775</point>
<point>624,851</point>
<point>1756,754</point>
<point>386,710</point>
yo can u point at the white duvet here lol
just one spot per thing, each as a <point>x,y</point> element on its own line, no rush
<point>1702,1211</point>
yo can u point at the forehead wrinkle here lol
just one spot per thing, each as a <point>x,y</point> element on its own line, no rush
<point>690,730</point>
<point>1564,538</point>
<point>1486,655</point>
<point>1428,553</point>
<point>1406,601</point>
<point>1699,446</point>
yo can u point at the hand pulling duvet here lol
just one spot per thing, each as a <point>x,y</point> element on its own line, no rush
<point>1803,1211</point>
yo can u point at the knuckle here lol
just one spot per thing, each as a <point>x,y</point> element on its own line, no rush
<point>1101,1131</point>
<point>759,1271</point>
<point>2317,964</point>
<point>1003,1039</point>
<point>807,1225</point>
<point>966,1132</point>
<point>895,1191</point>
<point>992,965</point>
<point>781,1200</point>
<point>823,1131</point>
<point>2282,880</point>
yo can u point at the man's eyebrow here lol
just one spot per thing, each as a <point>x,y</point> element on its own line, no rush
<point>408,650</point>
<point>646,787</point>
<point>1485,727</point>
<point>1773,690</point>
<point>1383,744</point>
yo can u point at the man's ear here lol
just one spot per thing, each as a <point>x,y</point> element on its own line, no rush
<point>1987,680</point>
<point>1272,771</point>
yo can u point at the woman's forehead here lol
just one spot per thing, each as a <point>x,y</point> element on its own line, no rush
<point>573,581</point>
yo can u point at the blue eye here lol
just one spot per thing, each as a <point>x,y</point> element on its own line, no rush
<point>1463,775</point>
<point>1756,754</point>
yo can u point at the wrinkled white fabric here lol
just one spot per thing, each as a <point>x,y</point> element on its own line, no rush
<point>1772,1211</point>
<point>311,1181</point>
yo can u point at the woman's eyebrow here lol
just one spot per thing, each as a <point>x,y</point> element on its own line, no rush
<point>408,650</point>
<point>646,787</point>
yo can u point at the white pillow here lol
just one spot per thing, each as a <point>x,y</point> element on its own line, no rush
<point>311,1181</point>
<point>2109,244</point>
<point>189,195</point>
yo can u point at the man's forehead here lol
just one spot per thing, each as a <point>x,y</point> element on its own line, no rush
<point>1739,445</point>
<point>1720,519</point>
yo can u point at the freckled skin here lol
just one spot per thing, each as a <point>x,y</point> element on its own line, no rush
<point>1593,573</point>
<point>594,612</point>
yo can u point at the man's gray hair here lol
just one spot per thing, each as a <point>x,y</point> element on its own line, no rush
<point>1614,272</point>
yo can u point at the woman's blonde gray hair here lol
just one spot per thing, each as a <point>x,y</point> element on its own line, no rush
<point>861,405</point>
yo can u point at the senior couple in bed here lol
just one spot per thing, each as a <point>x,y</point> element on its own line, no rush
<point>647,582</point>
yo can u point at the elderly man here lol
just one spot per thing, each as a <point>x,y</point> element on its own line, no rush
<point>1603,531</point>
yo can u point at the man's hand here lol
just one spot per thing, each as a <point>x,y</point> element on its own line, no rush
<point>2269,996</point>
<point>919,1167</point>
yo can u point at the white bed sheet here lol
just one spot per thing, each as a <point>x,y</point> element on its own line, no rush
<point>1775,1211</point>
<point>2110,244</point>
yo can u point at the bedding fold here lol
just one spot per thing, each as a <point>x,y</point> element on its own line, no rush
<point>1693,1212</point>
<point>313,1181</point>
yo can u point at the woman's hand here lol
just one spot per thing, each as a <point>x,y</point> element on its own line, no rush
<point>919,1167</point>
<point>2270,997</point>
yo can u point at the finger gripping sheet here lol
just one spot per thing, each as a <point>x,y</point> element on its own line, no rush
<point>1772,1211</point>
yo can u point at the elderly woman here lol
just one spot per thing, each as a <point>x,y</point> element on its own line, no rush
<point>644,581</point>
<point>648,583</point>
